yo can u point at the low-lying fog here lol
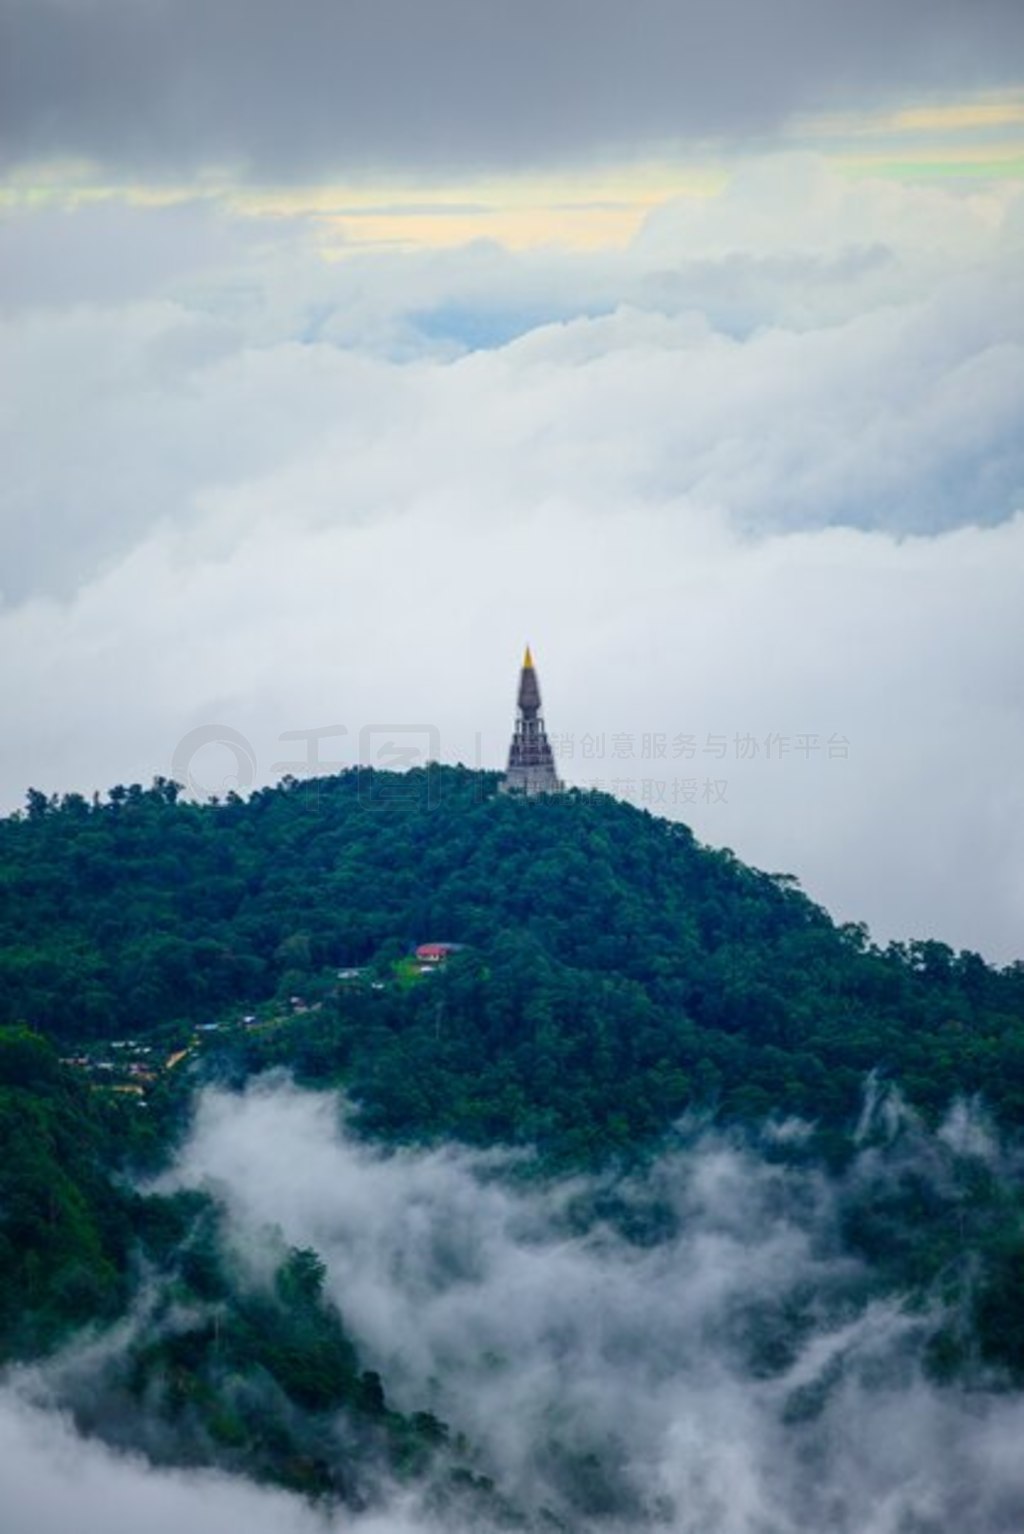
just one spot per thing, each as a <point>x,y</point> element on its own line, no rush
<point>690,1350</point>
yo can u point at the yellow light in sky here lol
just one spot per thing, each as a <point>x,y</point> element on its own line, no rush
<point>956,118</point>
<point>590,208</point>
<point>595,209</point>
<point>945,120</point>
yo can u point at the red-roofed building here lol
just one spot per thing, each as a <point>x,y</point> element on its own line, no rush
<point>435,953</point>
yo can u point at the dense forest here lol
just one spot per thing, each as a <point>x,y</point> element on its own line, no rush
<point>615,972</point>
<point>611,977</point>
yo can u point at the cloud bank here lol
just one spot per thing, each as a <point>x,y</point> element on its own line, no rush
<point>688,1350</point>
<point>548,1337</point>
<point>172,85</point>
<point>53,1481</point>
<point>754,477</point>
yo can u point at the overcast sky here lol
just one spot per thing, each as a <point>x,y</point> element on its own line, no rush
<point>366,85</point>
<point>347,347</point>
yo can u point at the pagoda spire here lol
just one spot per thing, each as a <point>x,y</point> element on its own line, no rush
<point>531,762</point>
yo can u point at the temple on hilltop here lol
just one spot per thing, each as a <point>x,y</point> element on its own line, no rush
<point>531,762</point>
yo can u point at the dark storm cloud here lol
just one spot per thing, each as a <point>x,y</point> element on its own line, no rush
<point>323,84</point>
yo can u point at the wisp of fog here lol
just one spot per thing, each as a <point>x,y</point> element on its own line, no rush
<point>689,1348</point>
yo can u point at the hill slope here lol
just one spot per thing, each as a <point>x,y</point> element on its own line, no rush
<point>615,972</point>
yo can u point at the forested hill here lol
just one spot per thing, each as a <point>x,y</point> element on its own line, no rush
<point>614,971</point>
<point>611,973</point>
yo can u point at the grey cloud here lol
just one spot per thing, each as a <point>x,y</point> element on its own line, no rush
<point>367,85</point>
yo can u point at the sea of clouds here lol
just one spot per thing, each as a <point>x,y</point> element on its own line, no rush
<point>697,1335</point>
<point>756,475</point>
<point>759,473</point>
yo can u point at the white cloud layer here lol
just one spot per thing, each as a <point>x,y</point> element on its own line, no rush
<point>545,1336</point>
<point>754,476</point>
<point>52,1481</point>
<point>518,1312</point>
